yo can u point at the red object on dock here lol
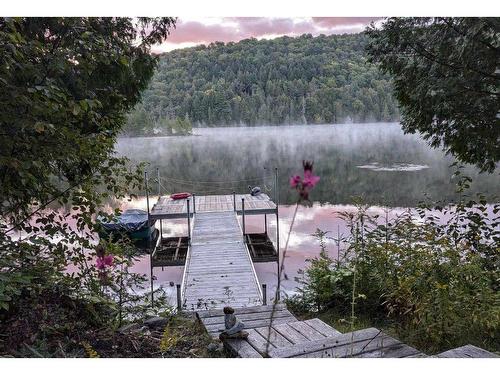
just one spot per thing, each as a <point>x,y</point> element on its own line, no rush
<point>180,195</point>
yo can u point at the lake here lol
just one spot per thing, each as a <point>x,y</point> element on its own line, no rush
<point>376,162</point>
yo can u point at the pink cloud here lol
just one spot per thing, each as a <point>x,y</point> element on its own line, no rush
<point>268,26</point>
<point>197,32</point>
<point>330,22</point>
<point>191,32</point>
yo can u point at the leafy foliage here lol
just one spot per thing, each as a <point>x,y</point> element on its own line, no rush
<point>66,85</point>
<point>324,283</point>
<point>433,271</point>
<point>446,80</point>
<point>322,79</point>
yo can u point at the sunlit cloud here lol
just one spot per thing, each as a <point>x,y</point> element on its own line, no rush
<point>195,31</point>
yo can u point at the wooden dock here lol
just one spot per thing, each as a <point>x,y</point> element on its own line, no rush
<point>218,269</point>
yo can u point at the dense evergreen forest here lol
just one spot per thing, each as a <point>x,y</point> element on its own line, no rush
<point>323,79</point>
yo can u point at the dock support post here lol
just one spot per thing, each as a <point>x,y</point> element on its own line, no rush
<point>265,223</point>
<point>243,217</point>
<point>159,183</point>
<point>179,300</point>
<point>150,249</point>
<point>189,220</point>
<point>147,192</point>
<point>194,203</point>
<point>276,197</point>
<point>159,196</point>
<point>234,200</point>
<point>264,294</point>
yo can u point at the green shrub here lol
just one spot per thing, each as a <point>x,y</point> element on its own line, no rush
<point>434,271</point>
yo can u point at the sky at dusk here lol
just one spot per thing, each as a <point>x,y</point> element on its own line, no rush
<point>194,31</point>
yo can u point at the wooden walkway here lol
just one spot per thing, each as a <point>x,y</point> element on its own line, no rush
<point>219,270</point>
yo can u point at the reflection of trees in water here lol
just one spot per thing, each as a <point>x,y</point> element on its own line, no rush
<point>242,153</point>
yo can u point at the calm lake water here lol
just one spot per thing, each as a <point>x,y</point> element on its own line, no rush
<point>377,162</point>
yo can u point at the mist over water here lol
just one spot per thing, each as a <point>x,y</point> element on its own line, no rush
<point>377,162</point>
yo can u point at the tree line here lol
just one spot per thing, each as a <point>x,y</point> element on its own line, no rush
<point>301,80</point>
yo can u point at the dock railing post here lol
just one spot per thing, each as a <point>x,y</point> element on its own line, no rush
<point>159,183</point>
<point>234,200</point>
<point>150,249</point>
<point>194,203</point>
<point>243,217</point>
<point>189,220</point>
<point>179,300</point>
<point>147,192</point>
<point>276,197</point>
<point>264,294</point>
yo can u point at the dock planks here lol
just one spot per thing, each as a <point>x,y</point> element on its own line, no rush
<point>219,270</point>
<point>167,208</point>
<point>368,342</point>
<point>467,351</point>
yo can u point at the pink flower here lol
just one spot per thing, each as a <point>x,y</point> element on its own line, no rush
<point>100,263</point>
<point>305,184</point>
<point>295,180</point>
<point>104,261</point>
<point>310,180</point>
<point>108,260</point>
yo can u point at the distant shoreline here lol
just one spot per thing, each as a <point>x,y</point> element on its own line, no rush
<point>250,127</point>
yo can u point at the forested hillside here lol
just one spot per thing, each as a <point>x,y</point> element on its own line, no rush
<point>324,79</point>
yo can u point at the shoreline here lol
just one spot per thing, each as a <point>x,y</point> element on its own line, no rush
<point>261,126</point>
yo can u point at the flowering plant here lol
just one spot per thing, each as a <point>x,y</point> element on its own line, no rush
<point>304,184</point>
<point>103,262</point>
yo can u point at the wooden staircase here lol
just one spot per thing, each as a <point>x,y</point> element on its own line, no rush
<point>292,338</point>
<point>311,338</point>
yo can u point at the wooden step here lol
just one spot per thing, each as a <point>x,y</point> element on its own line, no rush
<point>285,335</point>
<point>369,342</point>
<point>285,331</point>
<point>252,317</point>
<point>323,328</point>
<point>288,337</point>
<point>466,351</point>
<point>239,311</point>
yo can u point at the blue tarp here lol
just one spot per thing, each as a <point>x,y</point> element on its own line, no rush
<point>130,220</point>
